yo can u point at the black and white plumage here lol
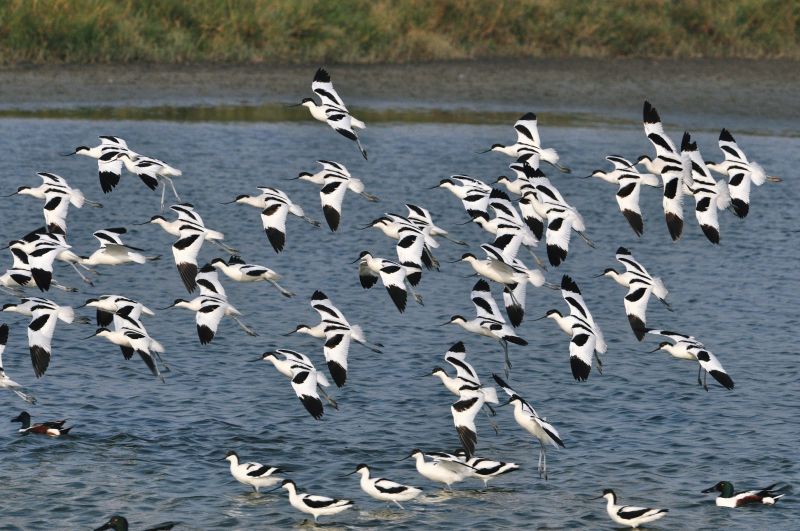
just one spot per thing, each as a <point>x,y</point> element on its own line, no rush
<point>669,165</point>
<point>487,469</point>
<point>152,172</point>
<point>335,180</point>
<point>531,422</point>
<point>113,251</point>
<point>394,277</point>
<point>709,195</point>
<point>307,382</point>
<point>442,468</point>
<point>312,504</point>
<point>688,348</point>
<point>473,193</point>
<point>414,243</point>
<point>254,475</point>
<point>109,162</point>
<point>332,110</point>
<point>528,146</point>
<point>384,489</point>
<point>44,314</point>
<point>464,410</point>
<point>211,306</point>
<point>57,195</point>
<point>587,338</point>
<point>108,305</point>
<point>5,381</point>
<point>422,218</point>
<point>741,173</point>
<point>641,285</point>
<point>131,336</point>
<point>630,516</point>
<point>236,269</point>
<point>120,523</point>
<point>630,182</point>
<point>489,321</point>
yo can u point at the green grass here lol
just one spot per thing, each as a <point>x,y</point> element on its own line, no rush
<point>364,31</point>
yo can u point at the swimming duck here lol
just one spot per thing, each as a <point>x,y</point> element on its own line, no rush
<point>120,523</point>
<point>728,498</point>
<point>53,429</point>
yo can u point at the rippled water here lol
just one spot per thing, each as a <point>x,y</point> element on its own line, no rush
<point>154,451</point>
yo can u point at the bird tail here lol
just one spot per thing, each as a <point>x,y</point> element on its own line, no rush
<point>723,198</point>
<point>66,314</point>
<point>355,122</point>
<point>490,395</point>
<point>77,198</point>
<point>757,173</point>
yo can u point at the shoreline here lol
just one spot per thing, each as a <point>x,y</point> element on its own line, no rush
<point>758,94</point>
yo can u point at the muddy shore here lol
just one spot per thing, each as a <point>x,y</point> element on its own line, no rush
<point>761,95</point>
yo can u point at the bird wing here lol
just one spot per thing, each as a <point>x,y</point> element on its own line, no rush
<point>730,148</point>
<point>335,167</point>
<point>40,335</point>
<point>712,366</point>
<point>337,345</point>
<point>675,336</point>
<point>627,197</point>
<point>186,212</point>
<point>485,305</point>
<point>527,130</point>
<point>365,275</point>
<point>331,196</point>
<point>208,281</point>
<point>323,88</point>
<point>109,167</point>
<point>629,512</point>
<point>557,235</point>
<point>464,411</point>
<point>389,487</point>
<point>208,318</point>
<point>108,140</point>
<point>619,163</point>
<point>581,351</point>
<point>110,236</point>
<point>655,132</point>
<point>185,251</point>
<point>325,308</point>
<point>457,357</point>
<point>410,245</point>
<point>273,218</point>
<point>526,407</point>
<point>636,305</point>
<point>304,383</point>
<point>393,277</point>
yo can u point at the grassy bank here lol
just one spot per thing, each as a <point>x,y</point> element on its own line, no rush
<point>364,31</point>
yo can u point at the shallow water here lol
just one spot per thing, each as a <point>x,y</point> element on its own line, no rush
<point>154,451</point>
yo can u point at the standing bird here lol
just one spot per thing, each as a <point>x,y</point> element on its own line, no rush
<point>393,276</point>
<point>728,498</point>
<point>44,314</point>
<point>669,165</point>
<point>335,181</point>
<point>255,475</point>
<point>332,110</point>
<point>587,338</point>
<point>688,348</point>
<point>312,504</point>
<point>5,381</point>
<point>487,469</point>
<point>51,429</point>
<point>630,182</point>
<point>528,146</point>
<point>384,489</point>
<point>236,269</point>
<point>531,422</point>
<point>627,515</point>
<point>741,173</point>
<point>641,285</point>
<point>307,382</point>
<point>443,468</point>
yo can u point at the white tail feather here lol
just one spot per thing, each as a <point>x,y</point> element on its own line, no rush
<point>66,314</point>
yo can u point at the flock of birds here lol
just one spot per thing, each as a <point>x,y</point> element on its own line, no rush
<point>527,210</point>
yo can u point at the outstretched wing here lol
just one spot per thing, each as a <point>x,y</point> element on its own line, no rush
<point>323,88</point>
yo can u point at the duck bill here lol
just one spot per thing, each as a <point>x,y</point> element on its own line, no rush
<point>710,489</point>
<point>107,525</point>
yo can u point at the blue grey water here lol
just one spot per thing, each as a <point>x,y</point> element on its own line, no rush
<point>153,451</point>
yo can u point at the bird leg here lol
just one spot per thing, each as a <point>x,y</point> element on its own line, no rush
<point>589,242</point>
<point>457,242</point>
<point>227,248</point>
<point>247,330</point>
<point>88,281</point>
<point>327,397</point>
<point>538,260</point>
<point>492,423</point>
<point>373,348</point>
<point>699,372</point>
<point>94,204</point>
<point>311,221</point>
<point>417,296</point>
<point>25,396</point>
<point>284,292</point>
<point>705,377</point>
<point>164,363</point>
<point>373,198</point>
<point>398,504</point>
<point>665,303</point>
<point>599,362</point>
<point>505,352</point>
<point>64,288</point>
<point>163,193</point>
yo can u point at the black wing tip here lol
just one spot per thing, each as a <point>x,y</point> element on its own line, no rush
<point>515,314</point>
<point>650,114</point>
<point>686,142</point>
<point>42,278</point>
<point>528,116</point>
<point>638,326</point>
<point>40,359</point>
<point>318,296</point>
<point>108,181</point>
<point>536,226</point>
<point>580,370</point>
<point>496,193</point>
<point>205,334</point>
<point>188,274</point>
<point>468,439</point>
<point>276,238</point>
<point>322,75</point>
<point>723,378</point>
<point>414,278</point>
<point>499,381</point>
<point>568,284</point>
<point>338,373</point>
<point>313,405</point>
<point>725,136</point>
<point>332,217</point>
<point>635,221</point>
<point>675,225</point>
<point>516,340</point>
<point>556,255</point>
<point>712,233</point>
<point>623,250</point>
<point>458,347</point>
<point>3,334</point>
<point>399,297</point>
<point>740,208</point>
<point>481,285</point>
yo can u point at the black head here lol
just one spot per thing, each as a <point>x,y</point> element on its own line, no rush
<point>7,306</point>
<point>23,417</point>
<point>218,261</point>
<point>23,188</point>
<point>116,522</point>
<point>465,256</point>
<point>231,453</point>
<point>642,158</point>
<point>307,100</point>
<point>494,146</point>
<point>362,254</point>
<point>360,466</point>
<point>437,370</point>
<point>154,218</point>
<point>288,482</point>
